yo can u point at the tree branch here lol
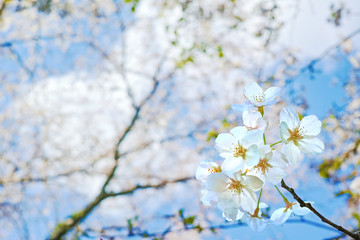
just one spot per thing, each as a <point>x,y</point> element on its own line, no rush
<point>64,227</point>
<point>324,219</point>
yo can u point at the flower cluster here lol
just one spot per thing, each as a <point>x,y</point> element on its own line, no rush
<point>248,162</point>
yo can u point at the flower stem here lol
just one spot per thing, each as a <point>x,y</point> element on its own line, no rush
<point>284,198</point>
<point>264,138</point>
<point>261,110</point>
<point>275,143</point>
<point>259,198</point>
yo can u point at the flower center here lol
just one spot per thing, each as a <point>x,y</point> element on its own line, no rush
<point>295,135</point>
<point>239,151</point>
<point>259,98</point>
<point>214,169</point>
<point>234,186</point>
<point>263,166</point>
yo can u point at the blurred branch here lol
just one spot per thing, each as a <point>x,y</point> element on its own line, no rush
<point>311,208</point>
<point>64,227</point>
<point>310,66</point>
<point>136,231</point>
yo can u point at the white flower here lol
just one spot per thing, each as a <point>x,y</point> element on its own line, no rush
<point>205,169</point>
<point>299,135</point>
<point>253,120</point>
<point>270,166</point>
<point>234,193</point>
<point>279,216</point>
<point>256,97</point>
<point>355,185</point>
<point>238,148</point>
<point>209,198</point>
<point>255,221</point>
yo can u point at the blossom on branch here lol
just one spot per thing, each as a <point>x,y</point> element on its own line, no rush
<point>239,148</point>
<point>279,216</point>
<point>236,193</point>
<point>299,135</point>
<point>256,97</point>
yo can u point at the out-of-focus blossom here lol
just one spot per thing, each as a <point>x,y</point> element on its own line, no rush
<point>355,185</point>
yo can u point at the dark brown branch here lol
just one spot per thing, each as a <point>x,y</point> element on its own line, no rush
<point>324,219</point>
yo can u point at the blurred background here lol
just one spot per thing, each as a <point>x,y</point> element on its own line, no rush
<point>108,106</point>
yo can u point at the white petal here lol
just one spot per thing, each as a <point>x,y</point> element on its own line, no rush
<point>242,107</point>
<point>311,145</point>
<point>261,124</point>
<point>263,205</point>
<point>250,119</point>
<point>204,169</point>
<point>251,91</point>
<point>275,174</point>
<point>201,173</point>
<point>248,200</point>
<point>284,132</point>
<point>209,198</point>
<point>264,150</point>
<point>256,224</point>
<point>253,137</point>
<point>232,214</point>
<point>300,210</point>
<point>224,142</point>
<point>290,117</point>
<point>272,93</point>
<point>253,182</point>
<point>232,164</point>
<point>311,125</point>
<point>239,132</point>
<point>276,160</point>
<point>228,201</point>
<point>217,182</point>
<point>291,152</point>
<point>252,155</point>
<point>279,217</point>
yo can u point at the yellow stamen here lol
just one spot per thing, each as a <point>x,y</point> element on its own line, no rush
<point>214,169</point>
<point>239,151</point>
<point>296,134</point>
<point>235,186</point>
<point>263,166</point>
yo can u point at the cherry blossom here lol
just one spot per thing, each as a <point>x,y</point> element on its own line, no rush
<point>299,135</point>
<point>270,167</point>
<point>254,219</point>
<point>279,216</point>
<point>205,169</point>
<point>256,97</point>
<point>236,194</point>
<point>239,149</point>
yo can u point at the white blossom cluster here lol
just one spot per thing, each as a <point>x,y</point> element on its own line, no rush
<point>249,162</point>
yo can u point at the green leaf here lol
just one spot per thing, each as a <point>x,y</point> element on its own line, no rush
<point>211,134</point>
<point>181,213</point>
<point>220,52</point>
<point>357,217</point>
<point>189,220</point>
<point>199,228</point>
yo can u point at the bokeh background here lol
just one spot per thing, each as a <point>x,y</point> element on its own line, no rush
<point>108,106</point>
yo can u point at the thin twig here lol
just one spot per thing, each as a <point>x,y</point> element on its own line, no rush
<point>324,219</point>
